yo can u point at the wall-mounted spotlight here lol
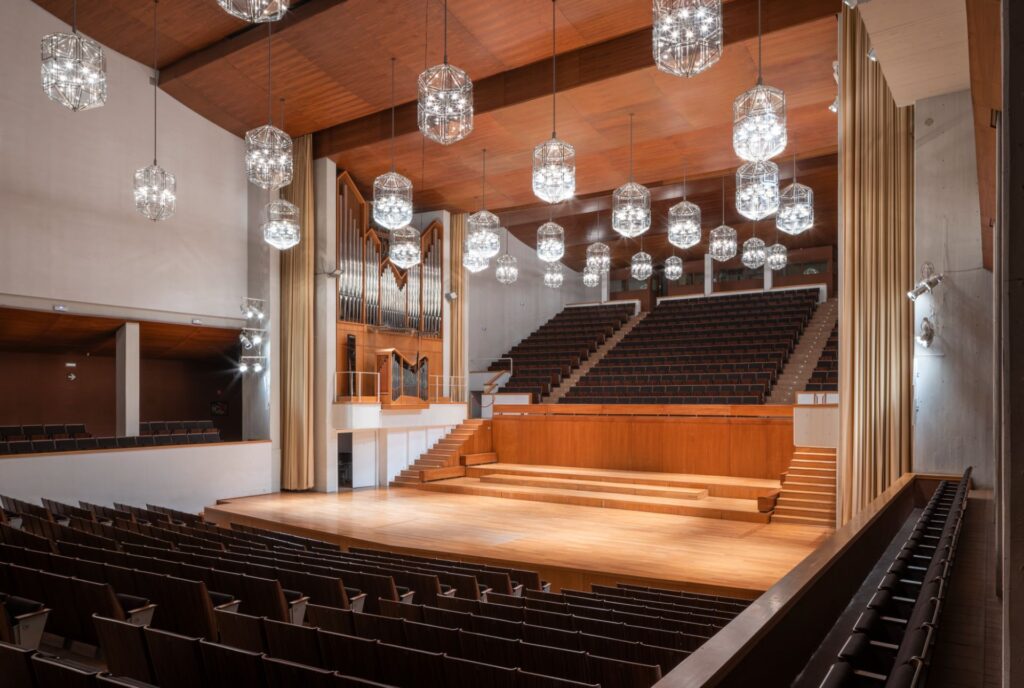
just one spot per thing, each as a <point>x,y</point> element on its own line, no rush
<point>927,333</point>
<point>252,308</point>
<point>929,280</point>
<point>60,308</point>
<point>255,364</point>
<point>250,339</point>
<point>450,296</point>
<point>872,55</point>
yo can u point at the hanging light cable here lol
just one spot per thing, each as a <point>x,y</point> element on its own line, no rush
<point>554,161</point>
<point>154,187</point>
<point>722,240</point>
<point>282,229</point>
<point>392,192</point>
<point>759,115</point>
<point>507,270</point>
<point>74,70</point>
<point>483,226</point>
<point>796,207</point>
<point>268,150</point>
<point>631,203</point>
<point>753,251</point>
<point>684,221</point>
<point>444,108</point>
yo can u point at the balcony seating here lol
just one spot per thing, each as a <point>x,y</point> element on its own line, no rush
<point>711,350</point>
<point>825,376</point>
<point>543,359</point>
<point>34,439</point>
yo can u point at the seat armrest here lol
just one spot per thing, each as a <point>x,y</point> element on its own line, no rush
<point>297,610</point>
<point>357,602</point>
<point>231,606</point>
<point>450,592</point>
<point>517,589</point>
<point>140,616</point>
<point>28,628</point>
<point>406,597</point>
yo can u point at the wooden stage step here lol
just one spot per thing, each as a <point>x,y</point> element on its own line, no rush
<point>478,459</point>
<point>709,507</point>
<point>716,485</point>
<point>597,486</point>
<point>805,520</point>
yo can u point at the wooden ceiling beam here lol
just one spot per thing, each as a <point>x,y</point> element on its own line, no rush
<point>590,64</point>
<point>302,11</point>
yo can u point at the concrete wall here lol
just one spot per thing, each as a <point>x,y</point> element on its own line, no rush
<point>500,316</point>
<point>953,419</point>
<point>70,229</point>
<point>183,477</point>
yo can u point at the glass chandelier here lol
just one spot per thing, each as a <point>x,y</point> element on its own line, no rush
<point>673,268</point>
<point>796,207</point>
<point>776,257</point>
<point>722,240</point>
<point>759,116</point>
<point>268,150</point>
<point>474,262</point>
<point>507,271</point>
<point>554,161</point>
<point>641,267</point>
<point>444,108</point>
<point>404,248</point>
<point>281,229</point>
<point>591,278</point>
<point>757,190</point>
<point>392,192</point>
<point>550,242</point>
<point>255,11</point>
<point>553,276</point>
<point>631,203</point>
<point>483,226</point>
<point>684,222</point>
<point>154,188</point>
<point>74,70</point>
<point>599,258</point>
<point>687,35</point>
<point>753,255</point>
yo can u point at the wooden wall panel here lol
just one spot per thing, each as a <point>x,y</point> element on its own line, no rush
<point>743,447</point>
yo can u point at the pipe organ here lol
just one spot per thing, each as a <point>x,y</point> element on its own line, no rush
<point>371,289</point>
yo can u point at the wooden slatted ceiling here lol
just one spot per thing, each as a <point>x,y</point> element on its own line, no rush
<point>45,331</point>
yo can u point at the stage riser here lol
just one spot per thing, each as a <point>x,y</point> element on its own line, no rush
<point>596,486</point>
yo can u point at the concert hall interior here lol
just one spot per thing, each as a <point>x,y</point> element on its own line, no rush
<point>612,344</point>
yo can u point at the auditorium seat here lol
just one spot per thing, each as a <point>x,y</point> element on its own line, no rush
<point>825,376</point>
<point>706,350</point>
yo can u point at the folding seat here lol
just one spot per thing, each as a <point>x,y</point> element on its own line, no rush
<point>65,444</point>
<point>496,627</point>
<point>196,438</point>
<point>446,618</point>
<point>175,427</point>
<point>76,430</point>
<point>554,661</point>
<point>349,654</point>
<point>62,673</point>
<point>20,447</point>
<point>92,598</point>
<point>179,438</point>
<point>162,440</point>
<point>86,443</point>
<point>383,628</point>
<point>293,642</point>
<point>106,442</point>
<point>41,446</point>
<point>55,431</point>
<point>146,440</point>
<point>492,649</point>
<point>402,666</point>
<point>127,442</point>
<point>463,673</point>
<point>9,433</point>
<point>284,674</point>
<point>33,432</point>
<point>331,618</point>
<point>401,610</point>
<point>176,659</point>
<point>228,666</point>
<point>240,631</point>
<point>124,648</point>
<point>265,597</point>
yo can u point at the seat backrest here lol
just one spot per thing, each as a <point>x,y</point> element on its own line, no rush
<point>490,649</point>
<point>229,666</point>
<point>193,609</point>
<point>293,642</point>
<point>53,671</point>
<point>525,679</point>
<point>124,648</point>
<point>402,666</point>
<point>554,661</point>
<point>16,665</point>
<point>616,672</point>
<point>432,638</point>
<point>330,618</point>
<point>349,654</point>
<point>241,631</point>
<point>464,673</point>
<point>383,628</point>
<point>264,597</point>
<point>176,659</point>
<point>281,673</point>
<point>94,598</point>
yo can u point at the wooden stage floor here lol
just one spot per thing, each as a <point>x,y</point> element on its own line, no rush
<point>571,546</point>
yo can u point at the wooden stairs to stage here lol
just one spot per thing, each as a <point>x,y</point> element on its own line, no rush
<point>469,444</point>
<point>808,493</point>
<point>671,493</point>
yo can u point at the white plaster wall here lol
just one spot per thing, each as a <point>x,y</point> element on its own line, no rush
<point>364,458</point>
<point>182,477</point>
<point>70,230</point>
<point>500,316</point>
<point>953,420</point>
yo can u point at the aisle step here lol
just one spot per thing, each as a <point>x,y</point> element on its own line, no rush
<point>597,486</point>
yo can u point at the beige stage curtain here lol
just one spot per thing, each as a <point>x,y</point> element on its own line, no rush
<point>458,309</point>
<point>875,317</point>
<point>296,330</point>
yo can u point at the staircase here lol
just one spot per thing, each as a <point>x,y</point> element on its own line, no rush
<point>448,457</point>
<point>801,364</point>
<point>595,358</point>
<point>808,493</point>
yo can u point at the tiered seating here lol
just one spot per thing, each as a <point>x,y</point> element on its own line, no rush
<point>892,638</point>
<point>825,377</point>
<point>28,439</point>
<point>714,350</point>
<point>542,360</point>
<point>223,612</point>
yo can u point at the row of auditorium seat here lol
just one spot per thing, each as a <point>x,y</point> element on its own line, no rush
<point>710,350</point>
<point>891,641</point>
<point>428,621</point>
<point>59,431</point>
<point>542,360</point>
<point>93,443</point>
<point>825,376</point>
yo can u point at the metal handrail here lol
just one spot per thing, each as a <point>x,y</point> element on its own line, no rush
<point>357,385</point>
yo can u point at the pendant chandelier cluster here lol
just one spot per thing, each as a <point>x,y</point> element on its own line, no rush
<point>684,222</point>
<point>673,268</point>
<point>392,192</point>
<point>554,161</point>
<point>796,207</point>
<point>631,202</point>
<point>155,189</point>
<point>483,226</point>
<point>404,247</point>
<point>722,240</point>
<point>687,35</point>
<point>255,11</point>
<point>74,69</point>
<point>444,106</point>
<point>553,275</point>
<point>550,242</point>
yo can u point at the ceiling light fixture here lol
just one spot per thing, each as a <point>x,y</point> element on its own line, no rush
<point>776,257</point>
<point>599,258</point>
<point>404,249</point>
<point>444,107</point>
<point>550,242</point>
<point>268,150</point>
<point>687,35</point>
<point>759,115</point>
<point>553,275</point>
<point>392,193</point>
<point>281,227</point>
<point>684,222</point>
<point>591,278</point>
<point>722,240</point>
<point>74,70</point>
<point>155,188</point>
<point>554,161</point>
<point>255,11</point>
<point>631,202</point>
<point>483,226</point>
<point>796,207</point>
<point>757,190</point>
<point>673,268</point>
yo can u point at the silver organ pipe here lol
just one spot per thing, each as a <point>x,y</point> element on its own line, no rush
<point>412,292</point>
<point>371,266</point>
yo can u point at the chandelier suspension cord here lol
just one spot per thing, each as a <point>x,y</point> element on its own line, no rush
<point>723,200</point>
<point>392,114</point>
<point>156,78</point>
<point>74,17</point>
<point>554,70</point>
<point>446,31</point>
<point>483,183</point>
<point>270,75</point>
<point>631,147</point>
<point>684,179</point>
<point>760,80</point>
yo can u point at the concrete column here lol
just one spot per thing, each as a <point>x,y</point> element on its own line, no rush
<point>325,330</point>
<point>767,277</point>
<point>128,380</point>
<point>709,275</point>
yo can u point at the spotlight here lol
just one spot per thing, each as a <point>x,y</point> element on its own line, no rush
<point>834,107</point>
<point>257,339</point>
<point>925,286</point>
<point>252,308</point>
<point>197,321</point>
<point>927,334</point>
<point>247,343</point>
<point>257,367</point>
<point>243,367</point>
<point>60,308</point>
<point>872,55</point>
<point>450,296</point>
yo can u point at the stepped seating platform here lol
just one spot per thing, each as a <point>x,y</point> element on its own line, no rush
<point>718,497</point>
